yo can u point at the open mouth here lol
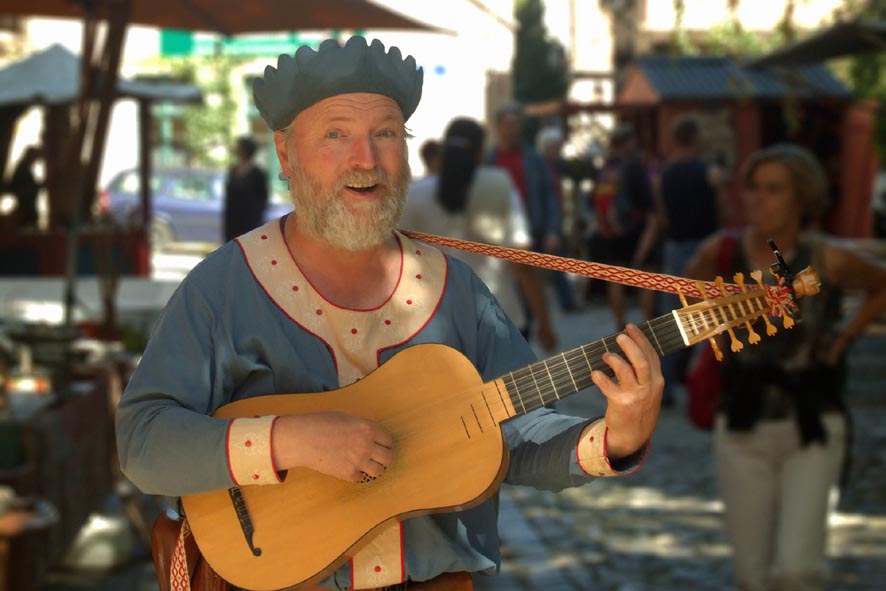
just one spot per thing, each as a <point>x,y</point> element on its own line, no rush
<point>362,188</point>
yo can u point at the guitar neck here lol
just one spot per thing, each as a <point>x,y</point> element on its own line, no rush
<point>552,379</point>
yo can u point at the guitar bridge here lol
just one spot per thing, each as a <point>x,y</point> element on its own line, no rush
<point>243,517</point>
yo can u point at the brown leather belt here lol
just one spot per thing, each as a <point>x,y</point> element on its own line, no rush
<point>460,581</point>
<point>446,582</point>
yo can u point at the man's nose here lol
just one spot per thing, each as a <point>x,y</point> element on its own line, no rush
<point>363,153</point>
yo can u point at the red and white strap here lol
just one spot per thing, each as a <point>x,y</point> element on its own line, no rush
<point>779,295</point>
<point>179,577</point>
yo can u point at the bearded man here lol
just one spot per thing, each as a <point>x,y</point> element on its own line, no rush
<point>316,301</point>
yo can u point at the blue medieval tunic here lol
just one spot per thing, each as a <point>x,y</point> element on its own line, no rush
<point>246,322</point>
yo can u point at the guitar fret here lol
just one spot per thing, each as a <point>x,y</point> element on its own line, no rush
<point>501,396</point>
<point>587,361</point>
<point>517,391</point>
<point>655,337</point>
<point>551,378</point>
<point>566,363</point>
<point>537,389</point>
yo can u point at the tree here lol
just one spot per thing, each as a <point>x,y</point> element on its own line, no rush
<point>540,70</point>
<point>211,125</point>
<point>865,70</point>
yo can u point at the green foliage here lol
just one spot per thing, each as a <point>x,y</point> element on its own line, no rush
<point>540,69</point>
<point>209,125</point>
<point>864,73</point>
<point>729,38</point>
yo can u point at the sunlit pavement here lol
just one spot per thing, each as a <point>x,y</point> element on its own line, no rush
<point>659,529</point>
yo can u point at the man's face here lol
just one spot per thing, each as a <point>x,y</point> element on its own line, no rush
<point>347,162</point>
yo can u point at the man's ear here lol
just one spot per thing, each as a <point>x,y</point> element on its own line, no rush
<point>282,148</point>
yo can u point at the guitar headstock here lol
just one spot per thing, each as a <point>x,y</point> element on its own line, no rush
<point>740,305</point>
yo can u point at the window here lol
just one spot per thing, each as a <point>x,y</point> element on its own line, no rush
<point>130,183</point>
<point>199,188</point>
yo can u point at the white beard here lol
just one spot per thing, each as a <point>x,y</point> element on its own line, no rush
<point>327,217</point>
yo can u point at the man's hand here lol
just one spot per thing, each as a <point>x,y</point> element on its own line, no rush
<point>634,400</point>
<point>332,443</point>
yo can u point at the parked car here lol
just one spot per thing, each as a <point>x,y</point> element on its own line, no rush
<point>188,204</point>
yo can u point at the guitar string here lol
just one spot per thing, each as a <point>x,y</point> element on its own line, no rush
<point>563,369</point>
<point>569,372</point>
<point>673,340</point>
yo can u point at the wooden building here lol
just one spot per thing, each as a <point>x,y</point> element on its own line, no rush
<point>744,109</point>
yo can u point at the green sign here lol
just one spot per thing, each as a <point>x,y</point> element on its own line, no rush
<point>174,42</point>
<point>183,43</point>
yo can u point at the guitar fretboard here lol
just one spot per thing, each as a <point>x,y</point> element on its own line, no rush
<point>549,380</point>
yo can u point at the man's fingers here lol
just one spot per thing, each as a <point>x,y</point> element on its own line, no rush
<point>624,373</point>
<point>603,382</point>
<point>639,337</point>
<point>382,437</point>
<point>373,469</point>
<point>640,353</point>
<point>383,456</point>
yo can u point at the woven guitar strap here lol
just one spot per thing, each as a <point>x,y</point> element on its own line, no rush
<point>779,295</point>
<point>779,298</point>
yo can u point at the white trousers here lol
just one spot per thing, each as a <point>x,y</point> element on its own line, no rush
<point>776,496</point>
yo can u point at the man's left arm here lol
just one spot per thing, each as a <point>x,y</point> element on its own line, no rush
<point>552,451</point>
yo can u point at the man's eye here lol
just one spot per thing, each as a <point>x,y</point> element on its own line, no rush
<point>387,133</point>
<point>333,134</point>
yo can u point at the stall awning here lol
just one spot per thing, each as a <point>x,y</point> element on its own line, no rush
<point>52,77</point>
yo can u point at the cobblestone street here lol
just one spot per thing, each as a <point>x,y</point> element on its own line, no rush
<point>660,529</point>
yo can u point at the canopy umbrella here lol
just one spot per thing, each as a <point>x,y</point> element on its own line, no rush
<point>52,77</point>
<point>232,17</point>
<point>100,64</point>
<point>842,39</point>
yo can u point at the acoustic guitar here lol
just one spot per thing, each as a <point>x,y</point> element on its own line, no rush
<point>449,452</point>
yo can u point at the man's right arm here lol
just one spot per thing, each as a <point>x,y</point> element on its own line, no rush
<point>167,441</point>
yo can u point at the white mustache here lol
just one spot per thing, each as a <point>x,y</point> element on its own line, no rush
<point>363,178</point>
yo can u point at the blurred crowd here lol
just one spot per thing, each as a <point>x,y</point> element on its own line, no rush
<point>781,426</point>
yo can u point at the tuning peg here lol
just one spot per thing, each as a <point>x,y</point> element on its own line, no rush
<point>807,282</point>
<point>757,275</point>
<point>735,344</point>
<point>718,354</point>
<point>753,337</point>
